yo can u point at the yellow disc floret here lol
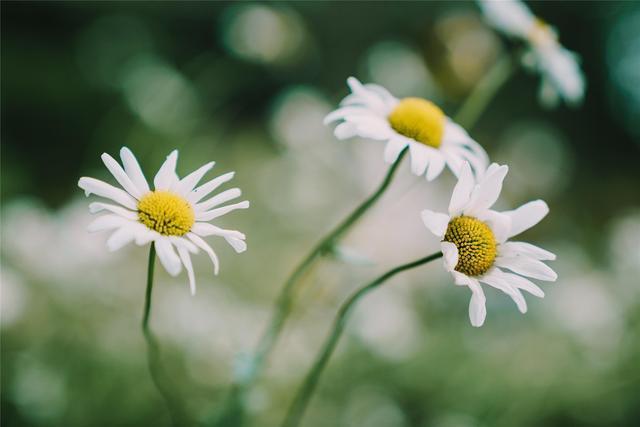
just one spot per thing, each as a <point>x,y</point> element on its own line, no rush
<point>166,212</point>
<point>475,242</point>
<point>418,119</point>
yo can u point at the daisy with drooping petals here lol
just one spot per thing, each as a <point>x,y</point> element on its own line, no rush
<point>475,241</point>
<point>558,66</point>
<point>173,215</point>
<point>434,140</point>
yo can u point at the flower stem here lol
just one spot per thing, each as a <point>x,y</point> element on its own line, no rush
<point>147,298</point>
<point>153,348</point>
<point>485,90</point>
<point>284,303</point>
<point>302,398</point>
<point>285,300</point>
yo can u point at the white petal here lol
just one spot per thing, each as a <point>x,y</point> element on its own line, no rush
<point>186,261</point>
<point>371,127</point>
<point>493,278</point>
<point>512,17</point>
<point>454,132</point>
<point>487,191</point>
<point>499,223</point>
<point>106,222</point>
<point>120,175</point>
<point>205,189</point>
<point>526,216</point>
<point>450,254</point>
<point>478,163</point>
<point>218,199</point>
<point>143,234</point>
<point>477,307</point>
<point>436,165</point>
<point>454,162</point>
<point>419,158</point>
<point>118,210</point>
<point>436,222</point>
<point>121,237</point>
<point>392,150</point>
<point>561,74</point>
<point>166,177</point>
<point>371,98</point>
<point>206,229</point>
<point>133,170</point>
<point>102,189</point>
<point>461,279</point>
<point>382,93</point>
<point>345,130</point>
<point>456,137</point>
<point>509,249</point>
<point>168,256</point>
<point>343,112</point>
<point>462,190</point>
<point>518,298</point>
<point>239,245</point>
<point>215,213</point>
<point>198,241</point>
<point>527,266</point>
<point>179,241</point>
<point>188,183</point>
<point>524,284</point>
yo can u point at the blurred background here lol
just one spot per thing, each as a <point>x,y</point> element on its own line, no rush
<point>247,85</point>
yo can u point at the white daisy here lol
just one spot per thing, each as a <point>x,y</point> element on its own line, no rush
<point>434,140</point>
<point>558,66</point>
<point>475,241</point>
<point>172,215</point>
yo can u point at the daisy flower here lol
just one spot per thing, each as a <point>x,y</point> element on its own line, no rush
<point>434,140</point>
<point>173,216</point>
<point>558,66</point>
<point>475,241</point>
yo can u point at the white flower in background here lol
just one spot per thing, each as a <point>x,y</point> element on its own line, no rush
<point>171,215</point>
<point>434,140</point>
<point>559,67</point>
<point>475,241</point>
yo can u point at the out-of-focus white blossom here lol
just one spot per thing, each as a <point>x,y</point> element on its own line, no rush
<point>559,67</point>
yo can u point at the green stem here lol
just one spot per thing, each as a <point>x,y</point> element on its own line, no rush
<point>302,398</point>
<point>285,300</point>
<point>153,348</point>
<point>147,297</point>
<point>284,303</point>
<point>485,90</point>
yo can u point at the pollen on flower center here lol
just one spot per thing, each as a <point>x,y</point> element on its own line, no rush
<point>475,242</point>
<point>418,119</point>
<point>166,212</point>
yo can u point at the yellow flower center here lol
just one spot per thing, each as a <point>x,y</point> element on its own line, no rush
<point>418,119</point>
<point>475,242</point>
<point>166,212</point>
<point>541,33</point>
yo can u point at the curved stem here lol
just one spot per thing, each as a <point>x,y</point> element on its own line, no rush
<point>485,90</point>
<point>285,299</point>
<point>284,303</point>
<point>302,398</point>
<point>153,348</point>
